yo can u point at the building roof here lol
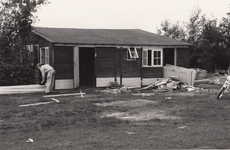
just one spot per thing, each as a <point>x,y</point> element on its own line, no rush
<point>106,37</point>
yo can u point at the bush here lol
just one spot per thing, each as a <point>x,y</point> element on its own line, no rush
<point>16,67</point>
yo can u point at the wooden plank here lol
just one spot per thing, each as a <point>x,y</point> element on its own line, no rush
<point>59,95</point>
<point>121,66</point>
<point>22,89</point>
<point>35,104</point>
<point>55,100</point>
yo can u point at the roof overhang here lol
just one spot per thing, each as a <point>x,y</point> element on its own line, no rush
<point>119,46</point>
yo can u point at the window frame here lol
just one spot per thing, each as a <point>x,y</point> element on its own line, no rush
<point>30,48</point>
<point>44,55</point>
<point>145,57</point>
<point>132,51</point>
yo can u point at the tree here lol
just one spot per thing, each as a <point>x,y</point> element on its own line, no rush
<point>194,29</point>
<point>225,30</point>
<point>16,18</point>
<point>172,30</point>
<point>211,52</point>
<point>210,48</point>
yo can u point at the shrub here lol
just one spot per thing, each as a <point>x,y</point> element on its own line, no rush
<point>16,66</point>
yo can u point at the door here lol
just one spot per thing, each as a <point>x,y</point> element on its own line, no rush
<point>86,68</point>
<point>64,66</point>
<point>169,56</point>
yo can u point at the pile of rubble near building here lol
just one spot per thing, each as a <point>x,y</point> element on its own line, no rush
<point>168,84</point>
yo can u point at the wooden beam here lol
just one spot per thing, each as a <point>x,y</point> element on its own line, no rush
<point>35,104</point>
<point>121,65</point>
<point>55,100</point>
<point>115,65</point>
<point>58,95</point>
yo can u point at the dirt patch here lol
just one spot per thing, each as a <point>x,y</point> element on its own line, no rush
<point>141,115</point>
<point>136,112</point>
<point>131,103</point>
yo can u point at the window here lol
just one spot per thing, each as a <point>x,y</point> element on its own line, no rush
<point>152,57</point>
<point>132,53</point>
<point>30,48</point>
<point>44,55</point>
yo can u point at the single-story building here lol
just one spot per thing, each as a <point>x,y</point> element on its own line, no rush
<point>96,57</point>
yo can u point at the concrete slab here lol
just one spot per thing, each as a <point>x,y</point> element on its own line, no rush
<point>17,89</point>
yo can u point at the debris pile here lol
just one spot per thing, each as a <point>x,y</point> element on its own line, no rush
<point>168,84</point>
<point>115,85</point>
<point>165,85</point>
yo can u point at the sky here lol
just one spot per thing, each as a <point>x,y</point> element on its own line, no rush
<point>125,14</point>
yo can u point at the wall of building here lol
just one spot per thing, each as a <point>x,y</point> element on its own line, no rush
<point>183,57</point>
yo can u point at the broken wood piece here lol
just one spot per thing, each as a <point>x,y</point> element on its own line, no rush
<point>81,94</point>
<point>147,87</point>
<point>58,95</point>
<point>161,90</point>
<point>35,104</point>
<point>133,87</point>
<point>143,94</point>
<point>55,100</point>
<point>202,81</point>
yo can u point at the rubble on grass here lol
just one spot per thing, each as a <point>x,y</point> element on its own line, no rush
<point>167,85</point>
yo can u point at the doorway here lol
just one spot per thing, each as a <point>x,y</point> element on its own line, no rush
<point>169,56</point>
<point>63,64</point>
<point>86,66</point>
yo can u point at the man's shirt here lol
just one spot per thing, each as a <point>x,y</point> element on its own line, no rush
<point>44,69</point>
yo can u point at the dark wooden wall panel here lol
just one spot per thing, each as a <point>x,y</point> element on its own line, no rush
<point>183,57</point>
<point>131,68</point>
<point>105,61</point>
<point>152,72</point>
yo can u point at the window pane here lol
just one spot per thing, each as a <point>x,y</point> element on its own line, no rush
<point>158,61</point>
<point>159,53</point>
<point>155,62</point>
<point>149,57</point>
<point>155,54</point>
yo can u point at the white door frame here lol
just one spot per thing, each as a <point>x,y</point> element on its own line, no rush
<point>76,67</point>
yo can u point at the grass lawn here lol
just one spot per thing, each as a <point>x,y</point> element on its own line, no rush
<point>115,121</point>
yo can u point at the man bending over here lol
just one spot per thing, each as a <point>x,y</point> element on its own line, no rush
<point>45,68</point>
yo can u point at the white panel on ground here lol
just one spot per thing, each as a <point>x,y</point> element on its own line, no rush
<point>186,75</point>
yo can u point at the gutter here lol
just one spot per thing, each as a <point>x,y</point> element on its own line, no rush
<point>116,45</point>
